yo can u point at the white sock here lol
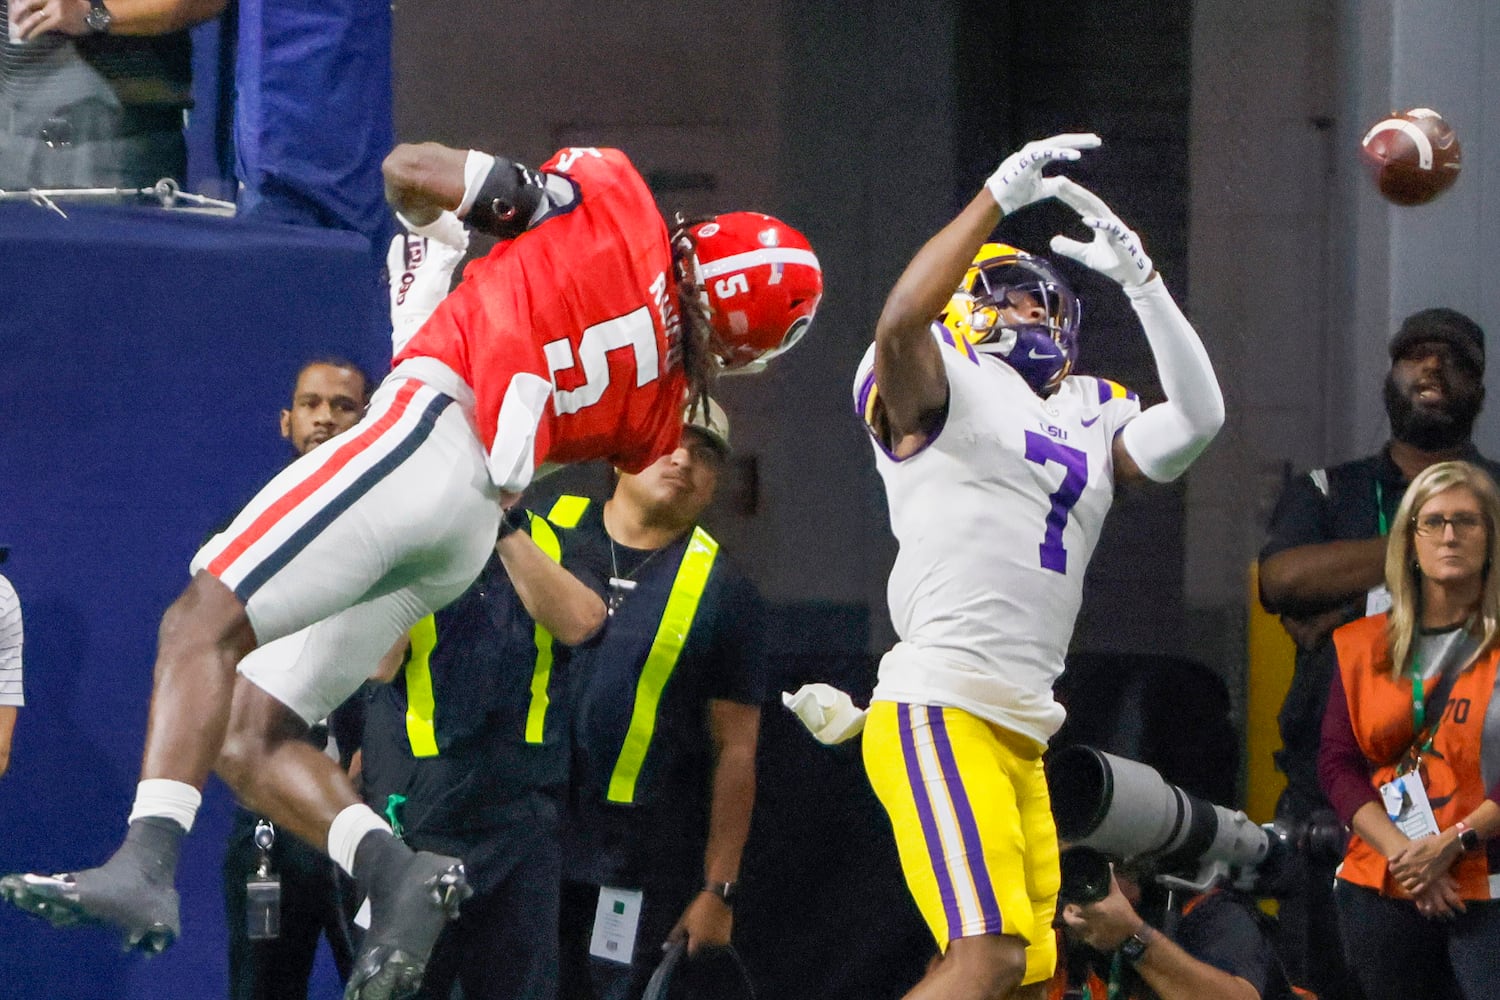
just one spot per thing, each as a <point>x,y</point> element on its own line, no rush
<point>174,800</point>
<point>348,829</point>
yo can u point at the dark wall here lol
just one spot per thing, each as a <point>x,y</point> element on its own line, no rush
<point>147,355</point>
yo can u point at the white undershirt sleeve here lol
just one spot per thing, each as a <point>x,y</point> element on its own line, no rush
<point>1166,437</point>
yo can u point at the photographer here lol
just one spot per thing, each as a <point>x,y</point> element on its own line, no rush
<point>1220,948</point>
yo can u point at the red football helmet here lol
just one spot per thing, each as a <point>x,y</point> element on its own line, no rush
<point>760,281</point>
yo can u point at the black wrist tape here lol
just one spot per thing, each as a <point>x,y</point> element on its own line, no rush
<point>506,200</point>
<point>514,520</point>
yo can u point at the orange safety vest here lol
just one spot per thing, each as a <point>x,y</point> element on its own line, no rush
<point>1380,710</point>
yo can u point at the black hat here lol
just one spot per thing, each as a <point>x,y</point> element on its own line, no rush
<point>1447,325</point>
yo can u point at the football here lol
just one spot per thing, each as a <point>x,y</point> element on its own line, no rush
<point>1413,156</point>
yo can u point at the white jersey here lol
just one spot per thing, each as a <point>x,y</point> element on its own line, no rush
<point>996,518</point>
<point>10,646</point>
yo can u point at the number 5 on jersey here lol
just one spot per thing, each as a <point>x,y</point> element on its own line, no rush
<point>633,331</point>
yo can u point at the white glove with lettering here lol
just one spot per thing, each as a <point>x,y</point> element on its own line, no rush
<point>421,270</point>
<point>1018,181</point>
<point>1115,250</point>
<point>828,713</point>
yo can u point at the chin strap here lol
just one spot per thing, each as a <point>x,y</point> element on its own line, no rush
<point>1166,438</point>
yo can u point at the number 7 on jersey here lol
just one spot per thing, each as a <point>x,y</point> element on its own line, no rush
<point>1042,449</point>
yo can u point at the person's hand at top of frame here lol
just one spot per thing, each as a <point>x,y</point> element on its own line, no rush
<point>1018,182</point>
<point>34,18</point>
<point>1115,250</point>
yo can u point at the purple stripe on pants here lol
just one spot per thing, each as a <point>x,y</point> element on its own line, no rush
<point>929,822</point>
<point>973,847</point>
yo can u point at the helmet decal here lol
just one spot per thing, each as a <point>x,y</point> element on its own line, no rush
<point>760,282</point>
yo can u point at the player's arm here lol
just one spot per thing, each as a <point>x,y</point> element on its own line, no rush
<point>127,17</point>
<point>734,730</point>
<point>913,387</point>
<point>423,179</point>
<point>490,193</point>
<point>1163,441</point>
<point>909,375</point>
<point>560,602</point>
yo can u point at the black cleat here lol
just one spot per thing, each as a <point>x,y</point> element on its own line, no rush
<point>144,910</point>
<point>404,925</point>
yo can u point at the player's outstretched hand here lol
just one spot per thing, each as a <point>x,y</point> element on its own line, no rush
<point>421,271</point>
<point>1018,181</point>
<point>1115,250</point>
<point>828,713</point>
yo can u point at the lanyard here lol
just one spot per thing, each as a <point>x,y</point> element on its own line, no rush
<point>1116,978</point>
<point>1418,697</point>
<point>1419,708</point>
<point>1385,528</point>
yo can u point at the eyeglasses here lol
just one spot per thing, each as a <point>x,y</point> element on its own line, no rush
<point>1463,524</point>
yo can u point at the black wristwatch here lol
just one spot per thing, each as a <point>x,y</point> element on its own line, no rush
<point>724,890</point>
<point>513,520</point>
<point>1134,947</point>
<point>1468,837</point>
<point>98,19</point>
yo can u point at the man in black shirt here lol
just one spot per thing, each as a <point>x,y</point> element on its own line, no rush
<point>466,751</point>
<point>1324,565</point>
<point>666,722</point>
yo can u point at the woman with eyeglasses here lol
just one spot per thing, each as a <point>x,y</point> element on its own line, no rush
<point>1410,754</point>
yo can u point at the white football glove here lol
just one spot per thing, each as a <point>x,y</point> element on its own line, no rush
<point>421,270</point>
<point>1018,181</point>
<point>447,229</point>
<point>828,713</point>
<point>1115,250</point>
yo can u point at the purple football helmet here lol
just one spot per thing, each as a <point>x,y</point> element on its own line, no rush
<point>1043,352</point>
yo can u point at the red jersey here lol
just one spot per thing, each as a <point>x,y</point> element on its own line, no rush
<point>570,330</point>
